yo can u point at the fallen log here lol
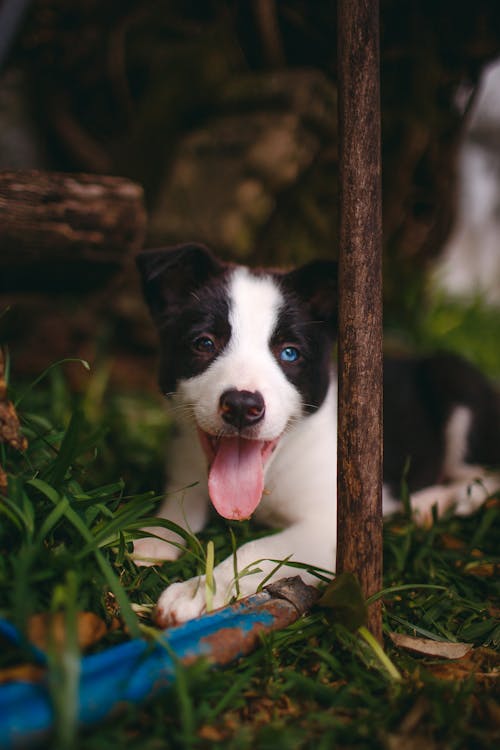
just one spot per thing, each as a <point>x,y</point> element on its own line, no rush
<point>66,232</point>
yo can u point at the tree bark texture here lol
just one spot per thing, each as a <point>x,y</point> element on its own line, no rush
<point>61,232</point>
<point>360,300</point>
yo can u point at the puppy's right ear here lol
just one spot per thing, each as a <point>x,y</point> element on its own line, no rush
<point>316,284</point>
<point>170,274</point>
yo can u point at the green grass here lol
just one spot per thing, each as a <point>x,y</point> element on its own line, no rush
<point>471,330</point>
<point>92,476</point>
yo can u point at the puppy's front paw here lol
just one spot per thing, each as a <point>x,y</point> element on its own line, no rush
<point>180,602</point>
<point>187,599</point>
<point>150,551</point>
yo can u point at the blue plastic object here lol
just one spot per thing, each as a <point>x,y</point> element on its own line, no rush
<point>139,669</point>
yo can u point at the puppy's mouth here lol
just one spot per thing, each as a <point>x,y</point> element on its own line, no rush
<point>236,472</point>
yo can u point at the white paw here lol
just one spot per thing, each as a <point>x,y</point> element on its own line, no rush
<point>187,599</point>
<point>149,551</point>
<point>432,499</point>
<point>180,602</point>
<point>472,496</point>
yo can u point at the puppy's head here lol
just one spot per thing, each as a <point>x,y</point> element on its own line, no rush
<point>247,351</point>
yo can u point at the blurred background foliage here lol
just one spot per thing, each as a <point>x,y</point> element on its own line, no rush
<point>225,112</point>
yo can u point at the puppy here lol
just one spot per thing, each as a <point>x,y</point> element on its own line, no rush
<point>245,358</point>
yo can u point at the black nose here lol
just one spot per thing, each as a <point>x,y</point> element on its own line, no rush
<point>241,408</point>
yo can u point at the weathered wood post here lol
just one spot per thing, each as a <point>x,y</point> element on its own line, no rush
<point>360,304</point>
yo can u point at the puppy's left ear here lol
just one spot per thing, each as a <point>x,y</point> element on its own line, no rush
<point>316,284</point>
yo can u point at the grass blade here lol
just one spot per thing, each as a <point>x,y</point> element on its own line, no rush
<point>44,374</point>
<point>209,576</point>
<point>380,654</point>
<point>127,612</point>
<point>67,451</point>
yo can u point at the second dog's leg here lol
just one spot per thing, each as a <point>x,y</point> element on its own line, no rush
<point>465,494</point>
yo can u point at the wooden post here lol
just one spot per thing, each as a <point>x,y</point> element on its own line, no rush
<point>360,300</point>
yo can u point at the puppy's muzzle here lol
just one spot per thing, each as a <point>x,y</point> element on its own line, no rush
<point>241,408</point>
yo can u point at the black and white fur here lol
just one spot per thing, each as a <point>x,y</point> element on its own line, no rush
<point>225,329</point>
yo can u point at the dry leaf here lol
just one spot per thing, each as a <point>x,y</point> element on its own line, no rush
<point>493,501</point>
<point>448,541</point>
<point>21,673</point>
<point>3,482</point>
<point>482,570</point>
<point>10,431</point>
<point>211,733</point>
<point>427,647</point>
<point>481,663</point>
<point>44,626</point>
<point>410,742</point>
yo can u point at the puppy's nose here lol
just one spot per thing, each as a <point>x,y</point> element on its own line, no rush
<point>241,408</point>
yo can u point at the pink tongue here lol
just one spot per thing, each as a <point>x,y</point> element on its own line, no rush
<point>236,477</point>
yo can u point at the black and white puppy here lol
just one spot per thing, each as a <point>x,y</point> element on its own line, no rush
<point>246,360</point>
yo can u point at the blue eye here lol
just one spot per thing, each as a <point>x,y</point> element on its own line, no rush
<point>204,344</point>
<point>289,354</point>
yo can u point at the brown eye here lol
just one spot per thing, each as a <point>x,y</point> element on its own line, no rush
<point>204,345</point>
